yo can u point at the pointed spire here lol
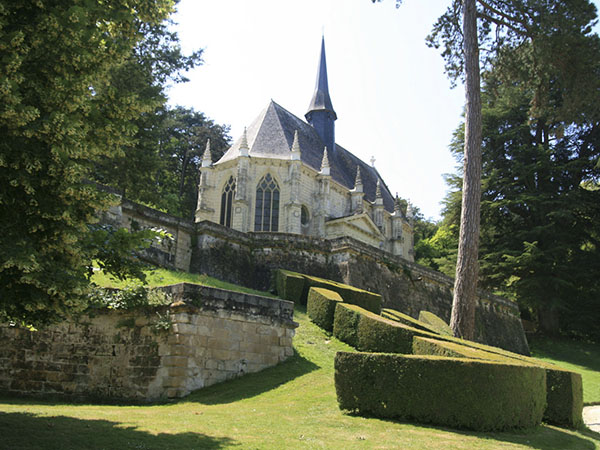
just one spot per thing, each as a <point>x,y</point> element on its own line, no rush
<point>244,144</point>
<point>321,99</point>
<point>325,168</point>
<point>378,189</point>
<point>207,157</point>
<point>358,184</point>
<point>295,147</point>
<point>397,205</point>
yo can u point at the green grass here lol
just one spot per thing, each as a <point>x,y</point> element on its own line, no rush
<point>578,356</point>
<point>162,277</point>
<point>292,405</point>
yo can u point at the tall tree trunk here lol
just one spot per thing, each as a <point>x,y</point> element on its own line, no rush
<point>467,266</point>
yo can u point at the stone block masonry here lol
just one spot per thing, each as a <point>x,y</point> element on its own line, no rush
<point>214,335</point>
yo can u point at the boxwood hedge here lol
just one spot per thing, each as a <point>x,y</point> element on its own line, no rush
<point>436,323</point>
<point>295,286</point>
<point>564,391</point>
<point>405,319</point>
<point>369,332</point>
<point>462,393</point>
<point>321,306</point>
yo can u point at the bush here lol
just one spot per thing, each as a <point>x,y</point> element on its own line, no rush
<point>345,323</point>
<point>564,391</point>
<point>321,306</point>
<point>290,286</point>
<point>369,332</point>
<point>365,299</point>
<point>436,323</point>
<point>405,319</point>
<point>462,393</point>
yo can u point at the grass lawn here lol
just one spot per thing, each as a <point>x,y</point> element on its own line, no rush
<point>162,277</point>
<point>578,356</point>
<point>289,406</point>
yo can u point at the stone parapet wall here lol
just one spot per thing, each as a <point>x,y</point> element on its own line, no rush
<point>214,335</point>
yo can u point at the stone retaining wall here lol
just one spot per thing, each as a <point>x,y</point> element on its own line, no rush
<point>214,335</point>
<point>249,259</point>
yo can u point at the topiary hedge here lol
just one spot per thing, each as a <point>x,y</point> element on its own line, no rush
<point>295,286</point>
<point>290,286</point>
<point>405,319</point>
<point>365,299</point>
<point>462,393</point>
<point>439,325</point>
<point>345,323</point>
<point>564,390</point>
<point>321,306</point>
<point>369,332</point>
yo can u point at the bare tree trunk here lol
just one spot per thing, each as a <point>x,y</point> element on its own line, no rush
<point>467,266</point>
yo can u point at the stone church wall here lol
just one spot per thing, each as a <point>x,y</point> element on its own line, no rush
<point>214,335</point>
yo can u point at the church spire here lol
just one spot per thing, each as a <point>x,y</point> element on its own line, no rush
<point>325,167</point>
<point>207,157</point>
<point>321,114</point>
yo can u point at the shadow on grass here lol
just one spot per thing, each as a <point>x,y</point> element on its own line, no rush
<point>253,384</point>
<point>543,437</point>
<point>29,431</point>
<point>579,353</point>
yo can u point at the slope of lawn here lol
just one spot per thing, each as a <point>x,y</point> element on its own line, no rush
<point>161,277</point>
<point>578,356</point>
<point>292,405</point>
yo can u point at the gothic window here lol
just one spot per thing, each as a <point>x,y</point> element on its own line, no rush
<point>227,202</point>
<point>266,215</point>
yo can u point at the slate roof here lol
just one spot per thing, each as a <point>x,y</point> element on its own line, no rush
<point>271,136</point>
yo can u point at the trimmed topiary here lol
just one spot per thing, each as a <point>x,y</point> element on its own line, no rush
<point>461,393</point>
<point>365,299</point>
<point>564,391</point>
<point>345,323</point>
<point>439,325</point>
<point>290,286</point>
<point>321,306</point>
<point>405,319</point>
<point>378,334</point>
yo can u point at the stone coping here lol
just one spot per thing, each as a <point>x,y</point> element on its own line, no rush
<point>205,298</point>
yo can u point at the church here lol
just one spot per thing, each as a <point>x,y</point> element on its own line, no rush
<point>288,175</point>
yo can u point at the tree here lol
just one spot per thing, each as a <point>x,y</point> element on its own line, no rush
<point>60,114</point>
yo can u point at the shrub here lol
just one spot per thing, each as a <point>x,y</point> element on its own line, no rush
<point>321,306</point>
<point>345,323</point>
<point>377,334</point>
<point>365,299</point>
<point>564,391</point>
<point>405,319</point>
<point>462,393</point>
<point>436,323</point>
<point>366,331</point>
<point>290,286</point>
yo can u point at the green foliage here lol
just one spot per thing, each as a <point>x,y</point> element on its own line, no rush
<point>160,167</point>
<point>345,324</point>
<point>127,298</point>
<point>289,283</point>
<point>564,391</point>
<point>405,319</point>
<point>435,322</point>
<point>61,113</point>
<point>539,239</point>
<point>321,307</point>
<point>432,390</point>
<point>290,286</point>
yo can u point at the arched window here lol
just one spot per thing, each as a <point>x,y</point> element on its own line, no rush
<point>227,202</point>
<point>266,215</point>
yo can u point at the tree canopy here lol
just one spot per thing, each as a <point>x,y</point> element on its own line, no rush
<point>68,101</point>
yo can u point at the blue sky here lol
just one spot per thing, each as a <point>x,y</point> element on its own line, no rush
<point>392,98</point>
